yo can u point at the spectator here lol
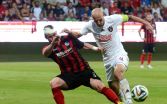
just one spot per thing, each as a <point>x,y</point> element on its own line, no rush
<point>3,8</point>
<point>156,9</point>
<point>145,3</point>
<point>70,17</point>
<point>42,17</point>
<point>107,2</point>
<point>70,8</point>
<point>32,17</point>
<point>6,16</point>
<point>85,17</point>
<point>164,3</point>
<point>48,9</point>
<point>165,15</point>
<point>135,4</point>
<point>61,18</point>
<point>18,4</point>
<point>165,18</point>
<point>93,6</point>
<point>14,12</point>
<point>51,17</point>
<point>25,12</point>
<point>113,9</point>
<point>84,10</point>
<point>145,11</point>
<point>84,3</point>
<point>126,9</point>
<point>58,10</point>
<point>105,8</point>
<point>74,2</point>
<point>157,18</point>
<point>37,10</point>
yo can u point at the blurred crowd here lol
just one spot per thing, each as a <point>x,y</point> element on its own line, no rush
<point>78,10</point>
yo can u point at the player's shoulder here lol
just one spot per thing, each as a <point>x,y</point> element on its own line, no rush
<point>114,16</point>
<point>89,24</point>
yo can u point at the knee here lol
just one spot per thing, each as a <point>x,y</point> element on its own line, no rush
<point>54,83</point>
<point>119,74</point>
<point>97,85</point>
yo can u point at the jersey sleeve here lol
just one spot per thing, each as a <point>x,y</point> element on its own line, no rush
<point>118,19</point>
<point>77,42</point>
<point>85,29</point>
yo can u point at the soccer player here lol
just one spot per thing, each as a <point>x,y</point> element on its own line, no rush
<point>149,40</point>
<point>104,29</point>
<point>75,71</point>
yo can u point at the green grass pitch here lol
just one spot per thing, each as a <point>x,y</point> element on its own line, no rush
<point>28,83</point>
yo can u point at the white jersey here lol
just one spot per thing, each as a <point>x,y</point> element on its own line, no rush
<point>107,36</point>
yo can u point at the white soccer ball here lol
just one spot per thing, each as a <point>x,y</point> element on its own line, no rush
<point>139,93</point>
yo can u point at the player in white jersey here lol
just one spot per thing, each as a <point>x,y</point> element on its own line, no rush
<point>104,29</point>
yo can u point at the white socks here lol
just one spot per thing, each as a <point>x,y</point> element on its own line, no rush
<point>125,91</point>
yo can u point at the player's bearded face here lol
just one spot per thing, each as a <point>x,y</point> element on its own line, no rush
<point>99,21</point>
<point>50,37</point>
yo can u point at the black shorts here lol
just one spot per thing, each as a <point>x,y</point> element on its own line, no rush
<point>148,47</point>
<point>75,80</point>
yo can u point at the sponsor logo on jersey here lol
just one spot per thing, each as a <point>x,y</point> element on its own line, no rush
<point>66,43</point>
<point>64,53</point>
<point>104,38</point>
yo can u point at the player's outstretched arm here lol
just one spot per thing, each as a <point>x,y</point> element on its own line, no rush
<point>92,47</point>
<point>140,33</point>
<point>74,33</point>
<point>137,19</point>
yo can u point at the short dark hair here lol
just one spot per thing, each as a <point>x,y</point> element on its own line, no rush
<point>48,26</point>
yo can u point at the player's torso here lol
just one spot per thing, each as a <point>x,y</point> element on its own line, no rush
<point>66,55</point>
<point>107,37</point>
<point>148,35</point>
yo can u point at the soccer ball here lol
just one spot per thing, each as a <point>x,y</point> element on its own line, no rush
<point>139,93</point>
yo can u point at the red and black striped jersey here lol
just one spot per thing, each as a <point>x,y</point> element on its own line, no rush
<point>66,55</point>
<point>148,36</point>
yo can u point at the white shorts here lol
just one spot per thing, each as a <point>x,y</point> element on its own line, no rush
<point>120,59</point>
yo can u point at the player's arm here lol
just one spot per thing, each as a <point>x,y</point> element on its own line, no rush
<point>74,33</point>
<point>47,50</point>
<point>140,31</point>
<point>137,19</point>
<point>92,47</point>
<point>155,29</point>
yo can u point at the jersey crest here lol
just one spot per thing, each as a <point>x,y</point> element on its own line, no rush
<point>110,28</point>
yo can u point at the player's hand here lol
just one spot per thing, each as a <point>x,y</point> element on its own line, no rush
<point>149,27</point>
<point>55,39</point>
<point>66,31</point>
<point>142,38</point>
<point>101,49</point>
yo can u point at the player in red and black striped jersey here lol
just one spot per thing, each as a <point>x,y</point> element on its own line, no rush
<point>149,40</point>
<point>75,70</point>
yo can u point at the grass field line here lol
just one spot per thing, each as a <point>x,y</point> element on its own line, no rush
<point>23,80</point>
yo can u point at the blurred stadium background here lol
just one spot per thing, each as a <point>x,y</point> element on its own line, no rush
<point>25,73</point>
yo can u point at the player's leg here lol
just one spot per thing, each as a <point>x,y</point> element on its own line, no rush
<point>92,80</point>
<point>112,82</point>
<point>64,81</point>
<point>115,86</point>
<point>124,84</point>
<point>142,56</point>
<point>149,57</point>
<point>120,67</point>
<point>100,87</point>
<point>57,84</point>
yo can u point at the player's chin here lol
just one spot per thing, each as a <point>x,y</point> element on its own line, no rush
<point>100,25</point>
